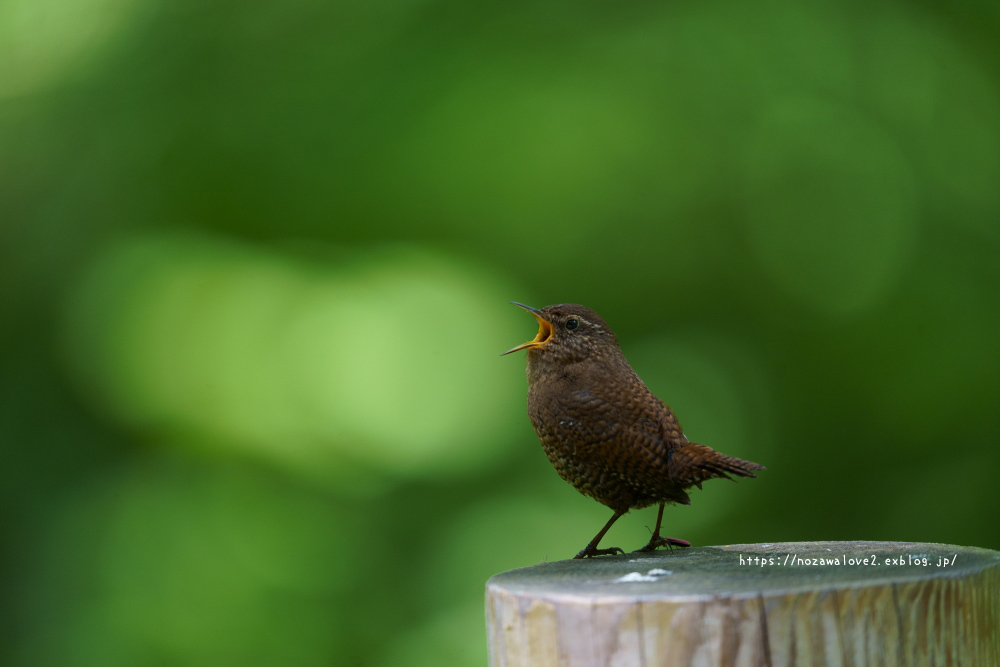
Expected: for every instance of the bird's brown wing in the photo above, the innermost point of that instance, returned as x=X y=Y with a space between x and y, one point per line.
x=687 y=463
x=691 y=464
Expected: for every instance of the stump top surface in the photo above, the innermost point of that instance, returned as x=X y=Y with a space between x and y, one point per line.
x=708 y=572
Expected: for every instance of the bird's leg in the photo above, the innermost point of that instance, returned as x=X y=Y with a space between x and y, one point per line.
x=657 y=541
x=592 y=550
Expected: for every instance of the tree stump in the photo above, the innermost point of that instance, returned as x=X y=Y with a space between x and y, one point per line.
x=795 y=603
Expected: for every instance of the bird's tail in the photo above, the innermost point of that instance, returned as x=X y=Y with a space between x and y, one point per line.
x=691 y=464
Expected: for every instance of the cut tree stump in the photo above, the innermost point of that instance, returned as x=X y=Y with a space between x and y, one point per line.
x=753 y=604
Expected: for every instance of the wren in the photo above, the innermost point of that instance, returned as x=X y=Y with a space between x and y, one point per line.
x=604 y=430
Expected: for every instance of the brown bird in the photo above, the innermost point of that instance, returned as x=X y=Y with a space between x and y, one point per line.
x=604 y=430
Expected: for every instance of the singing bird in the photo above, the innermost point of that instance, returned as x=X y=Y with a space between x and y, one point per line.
x=604 y=430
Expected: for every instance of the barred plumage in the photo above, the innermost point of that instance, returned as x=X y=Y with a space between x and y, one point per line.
x=603 y=430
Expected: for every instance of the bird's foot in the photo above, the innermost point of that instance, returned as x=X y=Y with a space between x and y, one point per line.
x=670 y=542
x=590 y=552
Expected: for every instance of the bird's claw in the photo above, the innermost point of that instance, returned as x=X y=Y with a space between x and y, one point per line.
x=590 y=552
x=670 y=542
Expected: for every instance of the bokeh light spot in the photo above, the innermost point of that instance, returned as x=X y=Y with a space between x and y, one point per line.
x=405 y=362
x=388 y=361
x=43 y=40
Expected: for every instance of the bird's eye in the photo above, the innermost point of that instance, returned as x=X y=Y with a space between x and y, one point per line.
x=572 y=323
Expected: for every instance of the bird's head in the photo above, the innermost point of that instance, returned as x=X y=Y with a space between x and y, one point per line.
x=567 y=332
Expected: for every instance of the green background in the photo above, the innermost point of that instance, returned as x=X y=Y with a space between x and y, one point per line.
x=255 y=266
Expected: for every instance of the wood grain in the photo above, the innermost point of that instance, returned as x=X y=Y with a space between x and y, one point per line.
x=710 y=610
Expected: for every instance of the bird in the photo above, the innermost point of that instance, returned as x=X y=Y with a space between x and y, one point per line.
x=603 y=430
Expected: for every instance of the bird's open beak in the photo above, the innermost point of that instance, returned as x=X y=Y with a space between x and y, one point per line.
x=544 y=330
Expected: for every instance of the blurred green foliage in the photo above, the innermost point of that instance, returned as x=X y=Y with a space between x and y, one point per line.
x=254 y=266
